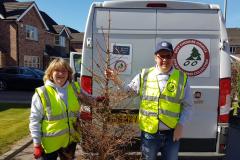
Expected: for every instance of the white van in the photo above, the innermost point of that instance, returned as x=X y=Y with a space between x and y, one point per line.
x=198 y=34
x=75 y=63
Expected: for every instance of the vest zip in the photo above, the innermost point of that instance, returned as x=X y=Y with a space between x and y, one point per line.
x=67 y=119
x=160 y=93
x=158 y=103
x=69 y=131
x=68 y=124
x=158 y=113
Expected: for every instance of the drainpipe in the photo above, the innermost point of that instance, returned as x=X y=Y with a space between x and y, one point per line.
x=18 y=56
x=69 y=45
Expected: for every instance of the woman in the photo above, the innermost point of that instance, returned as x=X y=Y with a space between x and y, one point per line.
x=54 y=111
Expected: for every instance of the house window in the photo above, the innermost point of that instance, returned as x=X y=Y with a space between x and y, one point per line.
x=31 y=33
x=234 y=49
x=60 y=41
x=32 y=61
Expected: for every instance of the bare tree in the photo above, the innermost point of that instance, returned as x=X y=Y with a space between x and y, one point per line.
x=108 y=135
x=235 y=86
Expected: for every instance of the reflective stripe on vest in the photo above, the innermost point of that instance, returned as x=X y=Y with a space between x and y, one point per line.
x=155 y=105
x=61 y=116
x=154 y=114
x=59 y=133
x=57 y=124
x=48 y=105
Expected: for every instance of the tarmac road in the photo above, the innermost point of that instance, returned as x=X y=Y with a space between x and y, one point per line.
x=27 y=153
x=16 y=96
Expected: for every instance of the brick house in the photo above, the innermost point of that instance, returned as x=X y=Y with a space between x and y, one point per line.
x=76 y=41
x=29 y=37
x=234 y=40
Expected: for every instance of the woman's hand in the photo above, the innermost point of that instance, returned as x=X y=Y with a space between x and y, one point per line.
x=38 y=151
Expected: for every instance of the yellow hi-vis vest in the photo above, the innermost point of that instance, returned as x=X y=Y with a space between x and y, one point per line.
x=57 y=125
x=165 y=106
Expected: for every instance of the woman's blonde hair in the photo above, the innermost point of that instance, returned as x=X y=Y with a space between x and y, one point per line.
x=57 y=64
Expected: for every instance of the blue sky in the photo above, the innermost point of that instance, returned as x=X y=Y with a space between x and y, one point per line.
x=73 y=13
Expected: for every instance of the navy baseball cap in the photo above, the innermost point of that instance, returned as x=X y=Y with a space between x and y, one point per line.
x=164 y=45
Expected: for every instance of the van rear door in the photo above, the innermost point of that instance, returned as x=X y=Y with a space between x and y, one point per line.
x=196 y=36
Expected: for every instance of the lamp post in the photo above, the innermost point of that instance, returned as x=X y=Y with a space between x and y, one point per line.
x=225 y=10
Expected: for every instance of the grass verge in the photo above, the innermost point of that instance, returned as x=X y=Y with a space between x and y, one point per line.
x=14 y=124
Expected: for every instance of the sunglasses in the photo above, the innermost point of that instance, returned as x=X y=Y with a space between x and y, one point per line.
x=163 y=56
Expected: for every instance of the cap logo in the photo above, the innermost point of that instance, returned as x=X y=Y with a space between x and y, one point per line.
x=164 y=44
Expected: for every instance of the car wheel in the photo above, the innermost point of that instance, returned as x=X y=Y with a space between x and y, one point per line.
x=3 y=85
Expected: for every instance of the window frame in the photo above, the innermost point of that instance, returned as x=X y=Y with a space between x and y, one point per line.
x=60 y=40
x=31 y=32
x=31 y=61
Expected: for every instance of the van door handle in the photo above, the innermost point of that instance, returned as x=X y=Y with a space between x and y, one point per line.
x=223 y=44
x=89 y=42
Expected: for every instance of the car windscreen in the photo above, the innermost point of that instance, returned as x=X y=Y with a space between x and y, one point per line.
x=40 y=72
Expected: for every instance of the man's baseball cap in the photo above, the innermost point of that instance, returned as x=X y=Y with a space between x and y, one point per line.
x=164 y=45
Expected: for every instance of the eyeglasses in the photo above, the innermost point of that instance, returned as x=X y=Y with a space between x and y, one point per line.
x=164 y=56
x=61 y=70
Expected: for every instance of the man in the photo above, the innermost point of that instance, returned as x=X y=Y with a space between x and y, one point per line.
x=165 y=104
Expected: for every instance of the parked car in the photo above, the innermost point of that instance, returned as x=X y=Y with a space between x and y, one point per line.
x=20 y=78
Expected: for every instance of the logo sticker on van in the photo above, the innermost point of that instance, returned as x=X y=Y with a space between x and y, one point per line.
x=121 y=58
x=191 y=56
x=120 y=66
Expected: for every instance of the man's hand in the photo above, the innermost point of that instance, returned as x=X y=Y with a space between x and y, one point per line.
x=101 y=99
x=110 y=74
x=113 y=75
x=38 y=151
x=177 y=134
